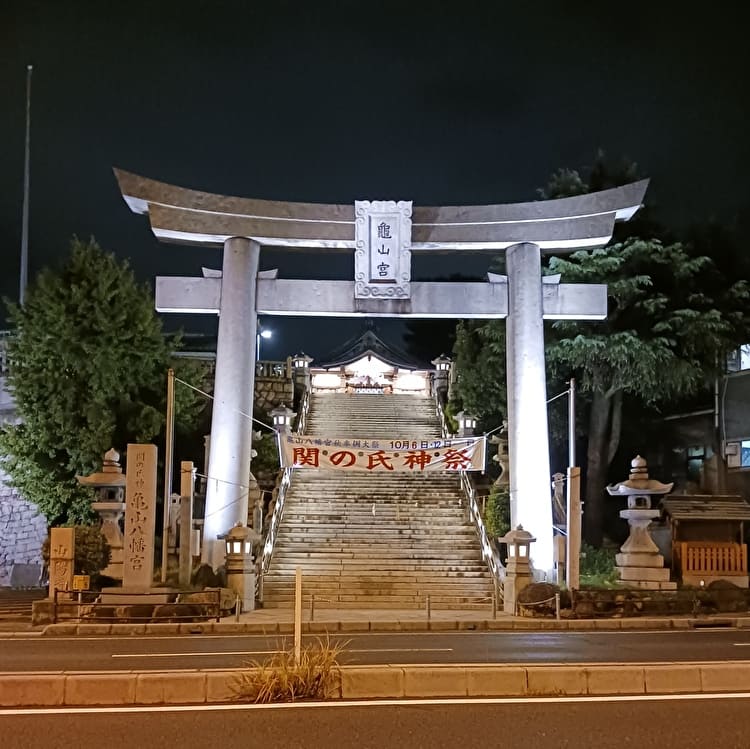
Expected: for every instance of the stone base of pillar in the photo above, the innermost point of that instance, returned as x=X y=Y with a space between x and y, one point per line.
x=214 y=552
x=512 y=586
x=243 y=586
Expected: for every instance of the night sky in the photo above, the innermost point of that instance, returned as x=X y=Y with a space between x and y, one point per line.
x=439 y=103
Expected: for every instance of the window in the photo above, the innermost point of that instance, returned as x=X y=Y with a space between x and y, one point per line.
x=739 y=359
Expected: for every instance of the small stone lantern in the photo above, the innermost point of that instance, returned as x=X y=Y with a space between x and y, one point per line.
x=442 y=375
x=282 y=418
x=240 y=566
x=301 y=373
x=466 y=424
x=518 y=566
x=109 y=502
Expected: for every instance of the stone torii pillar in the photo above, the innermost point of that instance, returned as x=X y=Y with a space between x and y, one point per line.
x=528 y=446
x=228 y=472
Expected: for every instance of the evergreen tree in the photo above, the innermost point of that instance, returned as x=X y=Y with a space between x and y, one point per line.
x=87 y=369
x=663 y=337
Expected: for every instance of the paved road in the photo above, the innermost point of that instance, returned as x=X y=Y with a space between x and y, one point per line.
x=604 y=724
x=231 y=651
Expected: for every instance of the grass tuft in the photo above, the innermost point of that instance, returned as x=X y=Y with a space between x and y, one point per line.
x=281 y=679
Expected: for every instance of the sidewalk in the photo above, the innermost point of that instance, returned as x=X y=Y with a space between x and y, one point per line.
x=281 y=621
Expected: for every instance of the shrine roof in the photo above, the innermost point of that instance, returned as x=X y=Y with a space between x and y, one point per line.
x=364 y=344
x=698 y=507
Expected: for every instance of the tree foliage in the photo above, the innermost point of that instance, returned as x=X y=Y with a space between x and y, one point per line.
x=87 y=369
x=673 y=312
x=663 y=337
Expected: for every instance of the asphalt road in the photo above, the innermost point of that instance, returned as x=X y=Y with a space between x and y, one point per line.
x=536 y=724
x=232 y=651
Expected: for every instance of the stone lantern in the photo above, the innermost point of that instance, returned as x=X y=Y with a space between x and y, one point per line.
x=282 y=418
x=639 y=563
x=109 y=503
x=442 y=375
x=301 y=373
x=240 y=565
x=466 y=424
x=518 y=567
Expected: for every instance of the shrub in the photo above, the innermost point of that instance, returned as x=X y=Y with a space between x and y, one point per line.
x=91 y=554
x=597 y=566
x=282 y=679
x=497 y=513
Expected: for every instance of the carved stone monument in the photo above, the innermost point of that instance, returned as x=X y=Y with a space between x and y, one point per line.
x=62 y=543
x=140 y=517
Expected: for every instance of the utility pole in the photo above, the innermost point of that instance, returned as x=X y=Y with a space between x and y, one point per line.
x=572 y=561
x=168 y=458
x=24 y=271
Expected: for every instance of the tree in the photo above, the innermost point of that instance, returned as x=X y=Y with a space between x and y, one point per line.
x=87 y=369
x=663 y=336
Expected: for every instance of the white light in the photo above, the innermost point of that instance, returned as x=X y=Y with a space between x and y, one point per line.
x=265 y=333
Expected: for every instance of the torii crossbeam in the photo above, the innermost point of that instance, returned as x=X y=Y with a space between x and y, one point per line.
x=382 y=234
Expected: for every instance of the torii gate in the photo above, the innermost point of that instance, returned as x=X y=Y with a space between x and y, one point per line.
x=382 y=234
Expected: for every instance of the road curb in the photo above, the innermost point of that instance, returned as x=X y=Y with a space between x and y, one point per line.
x=129 y=688
x=405 y=625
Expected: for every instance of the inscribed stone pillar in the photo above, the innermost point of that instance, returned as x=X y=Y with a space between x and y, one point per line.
x=528 y=443
x=231 y=427
x=140 y=517
x=62 y=543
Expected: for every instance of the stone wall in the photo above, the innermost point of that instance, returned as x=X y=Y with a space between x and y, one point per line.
x=22 y=532
x=272 y=391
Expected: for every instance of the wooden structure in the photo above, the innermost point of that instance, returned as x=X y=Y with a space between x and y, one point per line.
x=708 y=534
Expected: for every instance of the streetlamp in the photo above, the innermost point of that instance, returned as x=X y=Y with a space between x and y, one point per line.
x=262 y=333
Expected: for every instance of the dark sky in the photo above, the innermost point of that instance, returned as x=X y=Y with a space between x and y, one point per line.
x=439 y=103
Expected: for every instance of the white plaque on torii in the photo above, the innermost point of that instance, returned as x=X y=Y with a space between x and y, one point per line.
x=382 y=255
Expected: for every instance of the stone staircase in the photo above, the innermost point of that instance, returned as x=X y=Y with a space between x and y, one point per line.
x=382 y=541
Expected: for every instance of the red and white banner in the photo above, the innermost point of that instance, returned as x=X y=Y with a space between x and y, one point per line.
x=405 y=455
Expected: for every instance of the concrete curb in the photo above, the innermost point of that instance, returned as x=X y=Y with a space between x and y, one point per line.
x=123 y=688
x=405 y=625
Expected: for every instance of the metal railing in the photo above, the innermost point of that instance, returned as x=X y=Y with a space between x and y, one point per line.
x=88 y=606
x=441 y=415
x=488 y=552
x=304 y=408
x=278 y=510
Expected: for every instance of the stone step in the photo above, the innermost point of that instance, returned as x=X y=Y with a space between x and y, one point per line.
x=364 y=577
x=423 y=567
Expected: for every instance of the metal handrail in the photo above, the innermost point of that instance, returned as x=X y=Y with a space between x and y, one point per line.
x=441 y=415
x=286 y=480
x=273 y=526
x=488 y=552
x=304 y=408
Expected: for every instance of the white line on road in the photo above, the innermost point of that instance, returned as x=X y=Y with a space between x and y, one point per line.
x=372 y=703
x=272 y=652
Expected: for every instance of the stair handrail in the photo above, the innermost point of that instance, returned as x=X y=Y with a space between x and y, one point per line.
x=281 y=489
x=489 y=554
x=273 y=526
x=304 y=408
x=488 y=551
x=441 y=416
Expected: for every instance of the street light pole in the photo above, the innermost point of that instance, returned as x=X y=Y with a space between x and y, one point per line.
x=262 y=333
